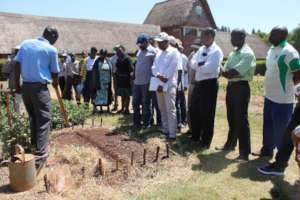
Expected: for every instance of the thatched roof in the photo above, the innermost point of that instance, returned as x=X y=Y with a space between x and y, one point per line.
x=76 y=35
x=177 y=12
x=259 y=47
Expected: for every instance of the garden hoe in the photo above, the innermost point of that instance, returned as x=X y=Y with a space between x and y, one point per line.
x=62 y=108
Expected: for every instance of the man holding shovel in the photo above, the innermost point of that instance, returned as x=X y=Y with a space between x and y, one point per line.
x=37 y=63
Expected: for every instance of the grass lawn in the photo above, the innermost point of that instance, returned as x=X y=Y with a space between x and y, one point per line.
x=211 y=174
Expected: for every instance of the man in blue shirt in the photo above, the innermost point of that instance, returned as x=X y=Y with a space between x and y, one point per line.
x=37 y=63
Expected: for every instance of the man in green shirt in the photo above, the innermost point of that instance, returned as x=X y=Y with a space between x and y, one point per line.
x=239 y=70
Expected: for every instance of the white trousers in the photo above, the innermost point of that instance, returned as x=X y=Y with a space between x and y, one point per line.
x=166 y=103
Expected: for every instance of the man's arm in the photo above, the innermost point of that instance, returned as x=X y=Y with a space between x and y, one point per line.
x=54 y=79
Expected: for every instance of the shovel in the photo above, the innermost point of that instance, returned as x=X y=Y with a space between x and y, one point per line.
x=62 y=108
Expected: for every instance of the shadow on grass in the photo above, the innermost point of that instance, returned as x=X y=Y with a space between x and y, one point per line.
x=213 y=162
x=249 y=170
x=5 y=189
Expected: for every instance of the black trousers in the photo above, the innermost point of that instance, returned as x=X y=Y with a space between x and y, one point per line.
x=203 y=109
x=286 y=149
x=37 y=102
x=237 y=103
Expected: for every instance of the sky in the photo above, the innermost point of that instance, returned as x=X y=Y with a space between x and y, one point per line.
x=248 y=14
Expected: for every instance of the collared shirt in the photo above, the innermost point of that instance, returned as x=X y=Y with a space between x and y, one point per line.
x=165 y=64
x=143 y=66
x=281 y=62
x=38 y=59
x=244 y=62
x=212 y=56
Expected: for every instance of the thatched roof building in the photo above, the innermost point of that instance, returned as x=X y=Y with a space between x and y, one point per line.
x=76 y=35
x=185 y=19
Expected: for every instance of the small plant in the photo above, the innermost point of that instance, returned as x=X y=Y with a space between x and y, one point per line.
x=77 y=114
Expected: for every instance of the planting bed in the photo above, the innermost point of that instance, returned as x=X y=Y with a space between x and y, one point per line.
x=115 y=150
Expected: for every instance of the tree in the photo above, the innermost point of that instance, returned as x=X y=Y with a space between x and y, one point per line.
x=253 y=31
x=294 y=38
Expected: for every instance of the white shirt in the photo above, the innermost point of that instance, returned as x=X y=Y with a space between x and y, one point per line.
x=279 y=84
x=166 y=64
x=212 y=56
x=90 y=63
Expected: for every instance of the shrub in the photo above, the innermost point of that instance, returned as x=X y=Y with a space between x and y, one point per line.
x=19 y=133
x=77 y=114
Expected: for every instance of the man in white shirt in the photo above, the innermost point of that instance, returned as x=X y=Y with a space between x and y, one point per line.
x=206 y=62
x=164 y=70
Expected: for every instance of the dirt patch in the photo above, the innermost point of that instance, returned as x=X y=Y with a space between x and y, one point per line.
x=115 y=150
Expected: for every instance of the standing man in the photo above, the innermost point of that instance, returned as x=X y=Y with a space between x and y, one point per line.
x=206 y=63
x=37 y=62
x=239 y=70
x=282 y=74
x=142 y=75
x=164 y=82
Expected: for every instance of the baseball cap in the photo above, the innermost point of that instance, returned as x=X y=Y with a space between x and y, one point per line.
x=143 y=37
x=163 y=36
x=172 y=40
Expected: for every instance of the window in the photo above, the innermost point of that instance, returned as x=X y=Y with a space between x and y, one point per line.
x=191 y=31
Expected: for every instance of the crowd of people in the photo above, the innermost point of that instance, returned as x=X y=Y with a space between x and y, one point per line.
x=158 y=79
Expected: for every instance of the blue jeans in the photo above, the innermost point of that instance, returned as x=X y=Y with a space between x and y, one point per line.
x=276 y=119
x=141 y=97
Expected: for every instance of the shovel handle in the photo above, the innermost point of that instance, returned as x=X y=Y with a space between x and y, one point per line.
x=20 y=150
x=62 y=108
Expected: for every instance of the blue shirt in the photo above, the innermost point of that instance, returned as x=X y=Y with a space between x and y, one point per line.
x=38 y=59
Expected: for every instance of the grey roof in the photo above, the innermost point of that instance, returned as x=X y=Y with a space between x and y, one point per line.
x=75 y=35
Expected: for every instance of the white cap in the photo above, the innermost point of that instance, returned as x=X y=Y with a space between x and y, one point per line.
x=297 y=131
x=297 y=89
x=163 y=36
x=172 y=40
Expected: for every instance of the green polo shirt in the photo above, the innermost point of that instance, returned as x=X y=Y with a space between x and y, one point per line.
x=244 y=62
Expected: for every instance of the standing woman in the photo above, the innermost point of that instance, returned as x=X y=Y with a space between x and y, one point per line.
x=102 y=80
x=123 y=75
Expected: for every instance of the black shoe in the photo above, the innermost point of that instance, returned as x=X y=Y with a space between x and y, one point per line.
x=204 y=147
x=272 y=169
x=242 y=159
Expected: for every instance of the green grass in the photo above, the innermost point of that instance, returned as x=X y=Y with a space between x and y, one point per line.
x=216 y=176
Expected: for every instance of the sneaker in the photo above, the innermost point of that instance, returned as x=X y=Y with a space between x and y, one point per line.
x=242 y=159
x=272 y=169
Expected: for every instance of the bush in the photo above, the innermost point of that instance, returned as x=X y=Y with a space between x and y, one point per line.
x=19 y=133
x=77 y=114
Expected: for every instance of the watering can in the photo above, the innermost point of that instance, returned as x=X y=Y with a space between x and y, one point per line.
x=22 y=172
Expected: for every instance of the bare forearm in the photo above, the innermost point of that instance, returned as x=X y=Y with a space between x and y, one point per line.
x=54 y=79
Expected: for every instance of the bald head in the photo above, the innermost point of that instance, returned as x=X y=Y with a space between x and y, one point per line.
x=238 y=37
x=278 y=34
x=50 y=34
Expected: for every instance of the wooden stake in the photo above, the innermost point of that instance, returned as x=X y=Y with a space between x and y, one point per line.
x=62 y=107
x=101 y=122
x=101 y=170
x=132 y=157
x=157 y=154
x=82 y=124
x=168 y=151
x=83 y=172
x=47 y=185
x=8 y=110
x=93 y=122
x=144 y=156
